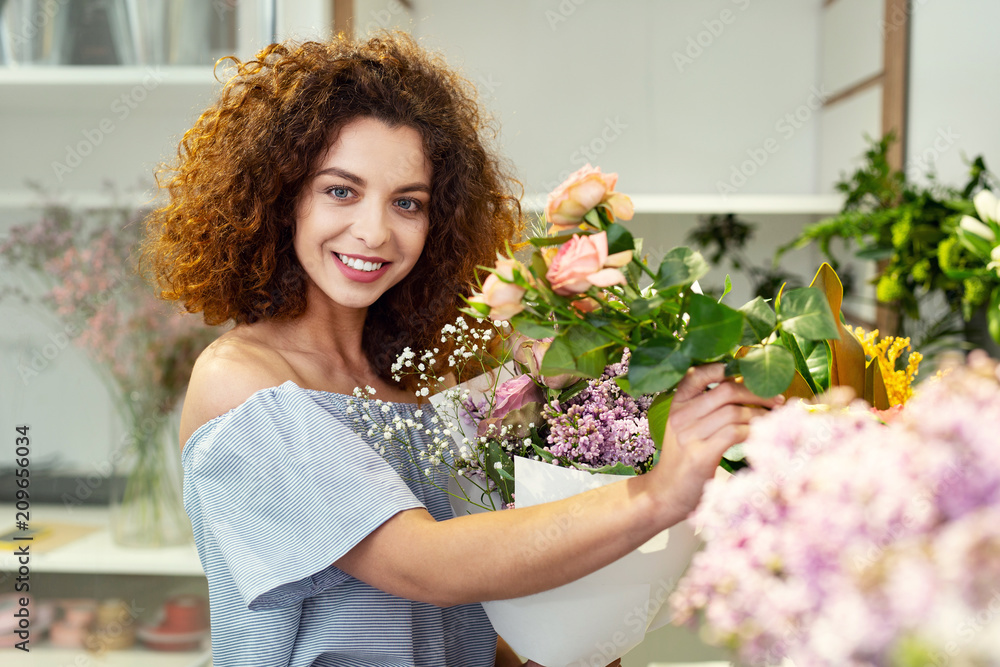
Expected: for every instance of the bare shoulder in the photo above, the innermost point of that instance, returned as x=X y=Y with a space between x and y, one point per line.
x=228 y=372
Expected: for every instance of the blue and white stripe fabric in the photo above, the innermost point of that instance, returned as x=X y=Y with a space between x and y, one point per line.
x=279 y=488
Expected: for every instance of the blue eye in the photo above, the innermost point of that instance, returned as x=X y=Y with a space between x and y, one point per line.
x=340 y=193
x=409 y=205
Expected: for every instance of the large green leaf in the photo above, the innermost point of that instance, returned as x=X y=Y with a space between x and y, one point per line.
x=657 y=365
x=713 y=330
x=578 y=351
x=558 y=358
x=817 y=355
x=619 y=239
x=759 y=321
x=681 y=266
x=657 y=415
x=805 y=312
x=645 y=307
x=767 y=371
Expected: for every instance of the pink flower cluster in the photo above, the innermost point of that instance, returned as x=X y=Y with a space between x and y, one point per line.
x=854 y=542
x=137 y=341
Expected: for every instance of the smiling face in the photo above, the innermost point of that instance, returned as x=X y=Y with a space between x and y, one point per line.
x=361 y=221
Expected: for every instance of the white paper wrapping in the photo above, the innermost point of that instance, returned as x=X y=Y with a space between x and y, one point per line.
x=596 y=619
x=602 y=616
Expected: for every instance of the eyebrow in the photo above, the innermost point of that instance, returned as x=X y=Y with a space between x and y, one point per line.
x=360 y=182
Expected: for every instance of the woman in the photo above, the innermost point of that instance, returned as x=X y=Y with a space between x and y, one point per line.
x=333 y=204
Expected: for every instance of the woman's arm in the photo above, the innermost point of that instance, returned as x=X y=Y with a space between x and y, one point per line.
x=512 y=553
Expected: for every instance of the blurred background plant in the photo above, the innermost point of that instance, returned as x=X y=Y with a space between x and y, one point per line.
x=910 y=230
x=79 y=265
x=723 y=240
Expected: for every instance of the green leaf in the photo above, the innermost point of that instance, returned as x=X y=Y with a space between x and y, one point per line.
x=732 y=466
x=479 y=311
x=594 y=218
x=805 y=312
x=681 y=266
x=767 y=371
x=726 y=288
x=657 y=415
x=572 y=390
x=993 y=315
x=558 y=358
x=592 y=363
x=657 y=365
x=542 y=241
x=622 y=382
x=644 y=307
x=975 y=243
x=714 y=329
x=619 y=239
x=788 y=341
x=818 y=360
x=532 y=329
x=575 y=351
x=613 y=469
x=504 y=482
x=759 y=321
x=875 y=253
x=542 y=453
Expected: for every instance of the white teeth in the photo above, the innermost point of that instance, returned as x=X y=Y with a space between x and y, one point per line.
x=359 y=264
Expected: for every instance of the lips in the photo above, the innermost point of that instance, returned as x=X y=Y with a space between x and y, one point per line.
x=367 y=273
x=361 y=263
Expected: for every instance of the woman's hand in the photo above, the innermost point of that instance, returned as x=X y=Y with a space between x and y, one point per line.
x=703 y=424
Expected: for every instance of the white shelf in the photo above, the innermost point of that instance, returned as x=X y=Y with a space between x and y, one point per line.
x=65 y=90
x=171 y=75
x=684 y=204
x=96 y=553
x=45 y=656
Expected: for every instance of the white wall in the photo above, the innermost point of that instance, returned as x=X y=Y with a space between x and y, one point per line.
x=634 y=89
x=954 y=87
x=852 y=52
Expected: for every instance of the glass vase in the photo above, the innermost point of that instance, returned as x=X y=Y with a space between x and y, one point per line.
x=147 y=509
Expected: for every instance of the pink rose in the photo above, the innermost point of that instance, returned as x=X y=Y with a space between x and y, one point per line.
x=500 y=292
x=514 y=394
x=582 y=191
x=583 y=262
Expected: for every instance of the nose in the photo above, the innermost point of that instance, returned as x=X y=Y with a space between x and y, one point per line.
x=371 y=226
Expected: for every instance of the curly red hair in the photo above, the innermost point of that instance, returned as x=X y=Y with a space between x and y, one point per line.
x=223 y=244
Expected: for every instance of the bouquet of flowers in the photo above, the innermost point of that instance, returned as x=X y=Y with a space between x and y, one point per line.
x=859 y=540
x=587 y=342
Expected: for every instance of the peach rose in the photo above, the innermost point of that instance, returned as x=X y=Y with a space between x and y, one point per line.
x=500 y=292
x=582 y=262
x=583 y=190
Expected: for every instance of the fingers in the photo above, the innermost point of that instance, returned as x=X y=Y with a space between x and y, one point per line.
x=697 y=379
x=725 y=393
x=726 y=437
x=706 y=428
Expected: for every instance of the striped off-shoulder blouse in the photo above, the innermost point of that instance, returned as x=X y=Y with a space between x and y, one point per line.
x=277 y=490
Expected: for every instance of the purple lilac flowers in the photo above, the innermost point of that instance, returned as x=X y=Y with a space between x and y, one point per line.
x=601 y=425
